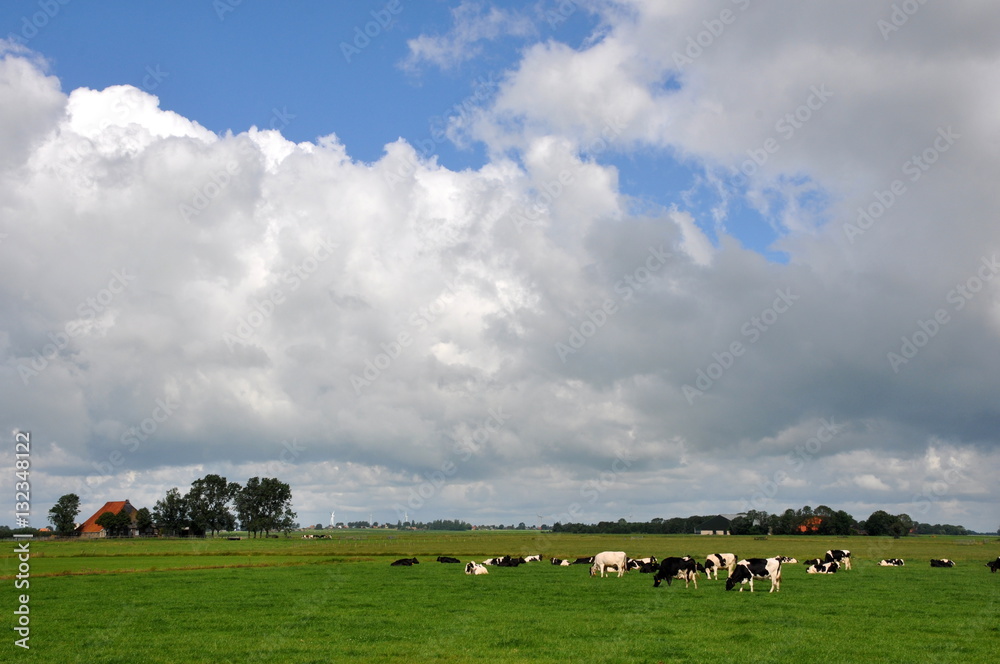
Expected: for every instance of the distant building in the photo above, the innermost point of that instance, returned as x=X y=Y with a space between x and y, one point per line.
x=810 y=524
x=717 y=525
x=89 y=528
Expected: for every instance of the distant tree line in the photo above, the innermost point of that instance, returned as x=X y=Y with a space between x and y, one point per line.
x=436 y=524
x=806 y=521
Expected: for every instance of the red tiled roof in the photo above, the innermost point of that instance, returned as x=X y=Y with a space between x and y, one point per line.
x=115 y=506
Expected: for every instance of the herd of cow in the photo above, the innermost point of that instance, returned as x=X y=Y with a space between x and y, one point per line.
x=687 y=569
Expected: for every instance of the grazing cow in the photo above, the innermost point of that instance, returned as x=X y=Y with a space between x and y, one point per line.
x=785 y=560
x=533 y=559
x=448 y=559
x=813 y=561
x=716 y=560
x=824 y=568
x=839 y=556
x=943 y=562
x=404 y=562
x=607 y=559
x=476 y=568
x=994 y=566
x=891 y=562
x=677 y=568
x=756 y=568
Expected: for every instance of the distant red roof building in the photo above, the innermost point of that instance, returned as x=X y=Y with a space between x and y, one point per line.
x=89 y=528
x=811 y=524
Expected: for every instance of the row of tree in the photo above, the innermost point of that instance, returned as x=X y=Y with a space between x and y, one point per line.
x=212 y=504
x=822 y=520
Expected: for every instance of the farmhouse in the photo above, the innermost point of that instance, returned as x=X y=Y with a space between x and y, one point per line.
x=717 y=525
x=89 y=528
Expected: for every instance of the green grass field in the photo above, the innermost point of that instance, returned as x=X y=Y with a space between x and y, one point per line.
x=339 y=600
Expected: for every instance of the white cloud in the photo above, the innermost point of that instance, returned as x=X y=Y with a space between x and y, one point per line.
x=474 y=22
x=381 y=311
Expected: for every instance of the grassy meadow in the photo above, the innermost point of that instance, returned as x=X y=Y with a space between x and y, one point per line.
x=338 y=600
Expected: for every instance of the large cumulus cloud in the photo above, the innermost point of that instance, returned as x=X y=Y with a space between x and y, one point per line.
x=521 y=342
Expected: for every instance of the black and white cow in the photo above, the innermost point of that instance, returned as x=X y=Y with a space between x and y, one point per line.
x=476 y=569
x=824 y=568
x=785 y=560
x=891 y=562
x=507 y=561
x=755 y=568
x=642 y=565
x=583 y=561
x=942 y=562
x=677 y=568
x=715 y=561
x=813 y=561
x=533 y=559
x=448 y=559
x=994 y=566
x=404 y=562
x=842 y=556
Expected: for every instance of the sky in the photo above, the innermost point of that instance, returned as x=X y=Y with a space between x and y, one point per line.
x=505 y=262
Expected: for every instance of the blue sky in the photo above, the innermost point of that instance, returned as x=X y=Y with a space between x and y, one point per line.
x=534 y=248
x=229 y=66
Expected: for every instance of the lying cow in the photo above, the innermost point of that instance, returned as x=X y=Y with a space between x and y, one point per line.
x=755 y=568
x=994 y=566
x=839 y=556
x=608 y=559
x=507 y=561
x=813 y=561
x=404 y=562
x=561 y=562
x=715 y=561
x=476 y=569
x=942 y=562
x=533 y=559
x=891 y=562
x=448 y=559
x=677 y=568
x=785 y=560
x=824 y=568
x=583 y=561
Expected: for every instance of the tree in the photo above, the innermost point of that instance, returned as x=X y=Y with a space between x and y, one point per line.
x=208 y=503
x=63 y=514
x=880 y=523
x=287 y=522
x=171 y=513
x=263 y=505
x=144 y=521
x=116 y=525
